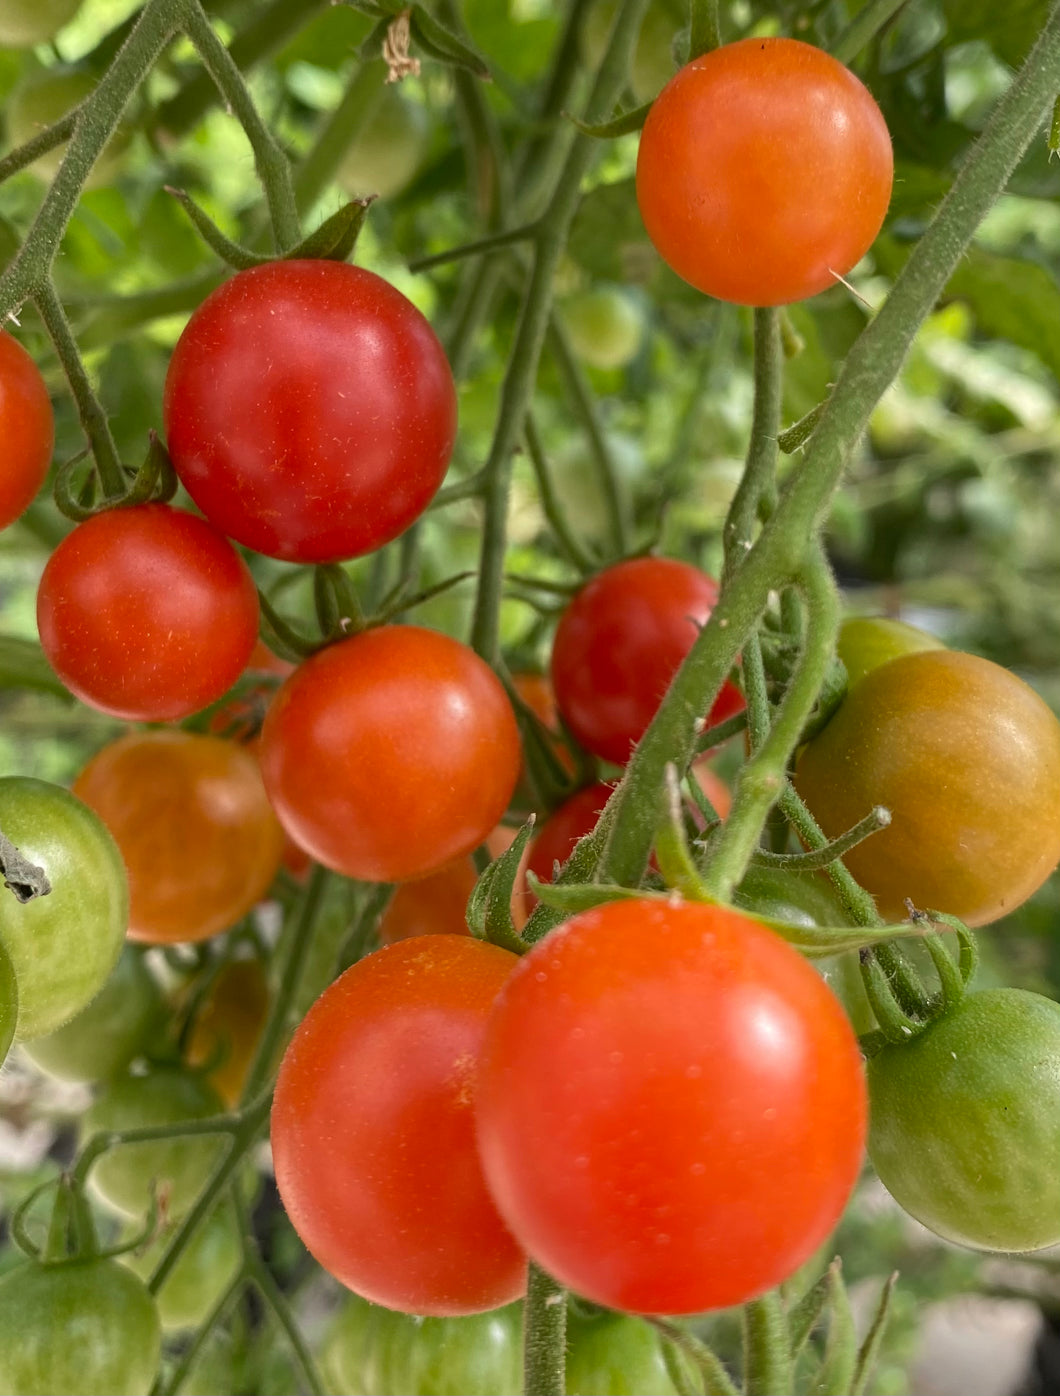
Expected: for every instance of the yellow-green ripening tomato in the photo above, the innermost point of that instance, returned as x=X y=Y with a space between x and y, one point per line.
x=388 y=149
x=104 y=1037
x=63 y=945
x=605 y=326
x=865 y=642
x=966 y=757
x=27 y=22
x=44 y=97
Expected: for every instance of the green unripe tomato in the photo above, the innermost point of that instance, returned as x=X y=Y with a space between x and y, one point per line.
x=605 y=326
x=866 y=642
x=614 y=1355
x=388 y=149
x=163 y=1095
x=653 y=63
x=8 y=1003
x=372 y=1351
x=206 y=1268
x=62 y=945
x=27 y=22
x=965 y=1122
x=104 y=1037
x=43 y=98
x=78 y=1328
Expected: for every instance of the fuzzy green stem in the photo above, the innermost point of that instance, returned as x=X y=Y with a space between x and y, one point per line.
x=97 y=120
x=264 y=1281
x=864 y=27
x=89 y=408
x=565 y=538
x=767 y=1348
x=857 y=903
x=333 y=139
x=521 y=375
x=705 y=28
x=198 y=1341
x=25 y=154
x=545 y=1344
x=290 y=974
x=716 y=1380
x=757 y=488
x=272 y=165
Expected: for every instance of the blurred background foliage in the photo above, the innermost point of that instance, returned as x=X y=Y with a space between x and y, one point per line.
x=947 y=518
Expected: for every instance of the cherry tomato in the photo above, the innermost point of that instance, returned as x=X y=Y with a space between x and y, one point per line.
x=197 y=834
x=27 y=427
x=206 y=1268
x=372 y=1351
x=389 y=146
x=373 y=1134
x=64 y=945
x=670 y=1106
x=432 y=905
x=866 y=642
x=27 y=22
x=104 y=1037
x=966 y=1122
x=612 y=1355
x=147 y=613
x=764 y=171
x=178 y=1167
x=77 y=1328
x=228 y=1026
x=390 y=753
x=310 y=410
x=966 y=757
x=620 y=642
x=605 y=326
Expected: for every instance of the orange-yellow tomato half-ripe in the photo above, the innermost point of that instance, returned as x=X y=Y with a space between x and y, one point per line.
x=966 y=757
x=199 y=840
x=228 y=1026
x=764 y=172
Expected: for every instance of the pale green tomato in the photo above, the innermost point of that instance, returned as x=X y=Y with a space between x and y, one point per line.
x=576 y=482
x=605 y=326
x=614 y=1355
x=205 y=1270
x=653 y=62
x=104 y=1037
x=27 y=22
x=866 y=642
x=161 y=1096
x=42 y=99
x=388 y=149
x=63 y=945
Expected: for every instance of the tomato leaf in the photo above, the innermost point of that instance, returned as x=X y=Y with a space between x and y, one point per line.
x=1012 y=298
x=240 y=258
x=443 y=45
x=870 y=1348
x=489 y=908
x=336 y=237
x=840 y=1354
x=621 y=125
x=23 y=665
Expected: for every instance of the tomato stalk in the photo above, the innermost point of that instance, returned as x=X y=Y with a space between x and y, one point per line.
x=705 y=28
x=545 y=1341
x=864 y=27
x=767 y=1347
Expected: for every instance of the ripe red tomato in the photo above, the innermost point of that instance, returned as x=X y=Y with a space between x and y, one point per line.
x=373 y=1135
x=620 y=642
x=27 y=429
x=199 y=840
x=670 y=1105
x=147 y=613
x=431 y=905
x=764 y=171
x=390 y=753
x=966 y=757
x=310 y=410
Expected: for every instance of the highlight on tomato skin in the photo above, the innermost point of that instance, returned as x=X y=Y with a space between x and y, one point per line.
x=764 y=171
x=671 y=1106
x=373 y=1133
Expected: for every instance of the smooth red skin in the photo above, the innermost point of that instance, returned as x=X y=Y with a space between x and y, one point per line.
x=764 y=171
x=27 y=430
x=310 y=410
x=147 y=613
x=390 y=753
x=671 y=1106
x=620 y=642
x=373 y=1134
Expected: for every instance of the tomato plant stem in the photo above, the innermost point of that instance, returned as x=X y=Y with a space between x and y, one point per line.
x=864 y=27
x=767 y=1348
x=336 y=135
x=705 y=29
x=553 y=509
x=93 y=418
x=545 y=1336
x=716 y=1380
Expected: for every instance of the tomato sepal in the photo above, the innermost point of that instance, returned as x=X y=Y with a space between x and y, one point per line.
x=489 y=908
